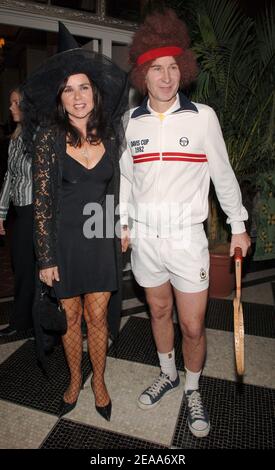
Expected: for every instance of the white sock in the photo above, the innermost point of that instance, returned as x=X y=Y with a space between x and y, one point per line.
x=191 y=380
x=167 y=364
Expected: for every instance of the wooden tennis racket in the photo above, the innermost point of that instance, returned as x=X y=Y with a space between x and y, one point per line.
x=238 y=314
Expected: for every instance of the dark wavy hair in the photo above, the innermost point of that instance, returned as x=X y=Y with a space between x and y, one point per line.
x=161 y=29
x=96 y=125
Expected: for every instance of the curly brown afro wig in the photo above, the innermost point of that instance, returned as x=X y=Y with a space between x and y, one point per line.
x=162 y=30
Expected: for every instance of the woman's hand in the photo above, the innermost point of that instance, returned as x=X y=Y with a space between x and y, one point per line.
x=125 y=238
x=2 y=228
x=49 y=275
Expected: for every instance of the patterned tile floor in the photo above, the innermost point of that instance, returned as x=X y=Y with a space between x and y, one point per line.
x=241 y=412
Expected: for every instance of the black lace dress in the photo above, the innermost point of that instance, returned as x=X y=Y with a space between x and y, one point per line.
x=85 y=256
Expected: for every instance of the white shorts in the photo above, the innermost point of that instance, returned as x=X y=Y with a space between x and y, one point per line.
x=185 y=264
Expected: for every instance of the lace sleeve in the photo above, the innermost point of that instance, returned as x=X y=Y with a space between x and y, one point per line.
x=43 y=201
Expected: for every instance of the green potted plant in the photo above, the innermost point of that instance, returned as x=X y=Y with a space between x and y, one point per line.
x=237 y=59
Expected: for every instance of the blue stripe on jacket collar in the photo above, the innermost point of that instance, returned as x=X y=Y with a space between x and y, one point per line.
x=185 y=105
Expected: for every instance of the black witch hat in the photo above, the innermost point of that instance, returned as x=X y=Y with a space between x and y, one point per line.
x=41 y=88
x=65 y=40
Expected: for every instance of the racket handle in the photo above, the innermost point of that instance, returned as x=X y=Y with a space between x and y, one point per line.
x=238 y=254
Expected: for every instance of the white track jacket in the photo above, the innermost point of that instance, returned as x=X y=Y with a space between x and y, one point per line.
x=167 y=166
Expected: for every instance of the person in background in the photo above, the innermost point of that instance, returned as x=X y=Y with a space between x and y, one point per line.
x=17 y=188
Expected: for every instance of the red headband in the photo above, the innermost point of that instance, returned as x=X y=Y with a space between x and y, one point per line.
x=159 y=52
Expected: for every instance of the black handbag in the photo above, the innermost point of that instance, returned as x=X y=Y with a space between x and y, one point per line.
x=51 y=314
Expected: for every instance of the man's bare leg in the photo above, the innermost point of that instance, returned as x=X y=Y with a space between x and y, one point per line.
x=160 y=300
x=191 y=312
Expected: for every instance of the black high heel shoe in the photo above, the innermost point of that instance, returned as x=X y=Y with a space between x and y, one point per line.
x=66 y=407
x=104 y=411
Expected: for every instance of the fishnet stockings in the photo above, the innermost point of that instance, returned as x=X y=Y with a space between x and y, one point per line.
x=95 y=313
x=72 y=343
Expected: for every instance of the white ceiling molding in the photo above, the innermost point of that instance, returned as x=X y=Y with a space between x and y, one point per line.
x=44 y=17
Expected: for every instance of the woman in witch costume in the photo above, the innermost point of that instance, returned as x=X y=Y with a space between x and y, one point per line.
x=77 y=98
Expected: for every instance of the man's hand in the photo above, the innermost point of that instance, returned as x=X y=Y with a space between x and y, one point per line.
x=49 y=275
x=241 y=240
x=2 y=228
x=125 y=238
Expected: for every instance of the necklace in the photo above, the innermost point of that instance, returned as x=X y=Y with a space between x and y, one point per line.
x=84 y=153
x=87 y=152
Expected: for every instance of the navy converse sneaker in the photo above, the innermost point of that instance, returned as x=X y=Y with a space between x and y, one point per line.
x=197 y=418
x=153 y=394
